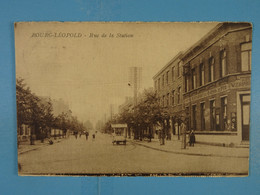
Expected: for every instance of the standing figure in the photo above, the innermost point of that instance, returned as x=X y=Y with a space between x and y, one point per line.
x=93 y=136
x=192 y=138
x=183 y=131
x=86 y=135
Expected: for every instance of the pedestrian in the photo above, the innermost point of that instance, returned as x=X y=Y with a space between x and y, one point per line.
x=183 y=131
x=192 y=138
x=93 y=136
x=80 y=135
x=86 y=135
x=76 y=134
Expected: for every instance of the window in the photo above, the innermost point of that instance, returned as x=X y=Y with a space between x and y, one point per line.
x=223 y=113
x=173 y=72
x=179 y=68
x=21 y=130
x=223 y=63
x=202 y=75
x=211 y=69
x=162 y=80
x=193 y=75
x=187 y=111
x=212 y=115
x=173 y=95
x=26 y=130
x=194 y=124
x=186 y=83
x=179 y=95
x=246 y=50
x=202 y=114
x=167 y=77
x=163 y=101
x=168 y=99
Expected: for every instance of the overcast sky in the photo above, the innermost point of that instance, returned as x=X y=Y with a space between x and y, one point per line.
x=91 y=73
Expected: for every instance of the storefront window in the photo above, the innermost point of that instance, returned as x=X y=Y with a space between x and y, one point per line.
x=202 y=112
x=194 y=125
x=212 y=115
x=223 y=113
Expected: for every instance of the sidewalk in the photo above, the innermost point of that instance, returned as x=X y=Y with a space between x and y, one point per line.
x=26 y=147
x=175 y=147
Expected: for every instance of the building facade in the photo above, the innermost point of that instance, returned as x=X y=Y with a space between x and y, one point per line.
x=168 y=83
x=215 y=85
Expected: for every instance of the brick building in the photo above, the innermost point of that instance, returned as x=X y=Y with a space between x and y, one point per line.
x=168 y=84
x=215 y=85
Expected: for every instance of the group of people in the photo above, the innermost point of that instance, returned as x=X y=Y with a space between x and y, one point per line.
x=86 y=134
x=192 y=139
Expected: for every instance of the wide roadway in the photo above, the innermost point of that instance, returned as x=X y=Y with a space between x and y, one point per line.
x=100 y=156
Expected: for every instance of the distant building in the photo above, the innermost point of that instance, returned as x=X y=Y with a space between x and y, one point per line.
x=168 y=84
x=24 y=133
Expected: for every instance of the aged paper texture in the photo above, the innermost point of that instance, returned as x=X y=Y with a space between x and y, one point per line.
x=133 y=98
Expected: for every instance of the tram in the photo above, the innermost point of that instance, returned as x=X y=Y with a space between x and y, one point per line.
x=119 y=133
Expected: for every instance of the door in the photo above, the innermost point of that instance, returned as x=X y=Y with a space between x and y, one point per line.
x=245 y=111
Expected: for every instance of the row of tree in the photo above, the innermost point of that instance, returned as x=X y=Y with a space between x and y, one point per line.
x=145 y=115
x=37 y=113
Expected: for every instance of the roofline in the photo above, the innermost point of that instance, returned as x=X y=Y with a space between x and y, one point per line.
x=168 y=64
x=217 y=27
x=229 y=31
x=203 y=38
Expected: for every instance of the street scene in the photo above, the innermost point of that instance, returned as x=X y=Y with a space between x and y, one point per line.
x=80 y=156
x=128 y=99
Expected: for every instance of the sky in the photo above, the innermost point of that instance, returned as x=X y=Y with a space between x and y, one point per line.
x=66 y=60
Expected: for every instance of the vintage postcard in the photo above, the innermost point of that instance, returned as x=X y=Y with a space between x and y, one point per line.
x=133 y=98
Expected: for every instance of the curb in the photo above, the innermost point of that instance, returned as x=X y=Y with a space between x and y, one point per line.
x=186 y=153
x=43 y=145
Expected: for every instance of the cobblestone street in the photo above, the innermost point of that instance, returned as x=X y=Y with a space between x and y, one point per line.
x=100 y=156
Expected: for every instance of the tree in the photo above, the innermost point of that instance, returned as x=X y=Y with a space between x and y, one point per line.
x=29 y=111
x=33 y=111
x=145 y=114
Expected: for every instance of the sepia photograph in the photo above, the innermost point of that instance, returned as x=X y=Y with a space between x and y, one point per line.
x=133 y=98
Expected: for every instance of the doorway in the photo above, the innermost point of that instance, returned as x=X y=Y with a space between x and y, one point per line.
x=245 y=113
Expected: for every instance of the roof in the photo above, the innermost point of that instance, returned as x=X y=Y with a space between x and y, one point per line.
x=220 y=29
